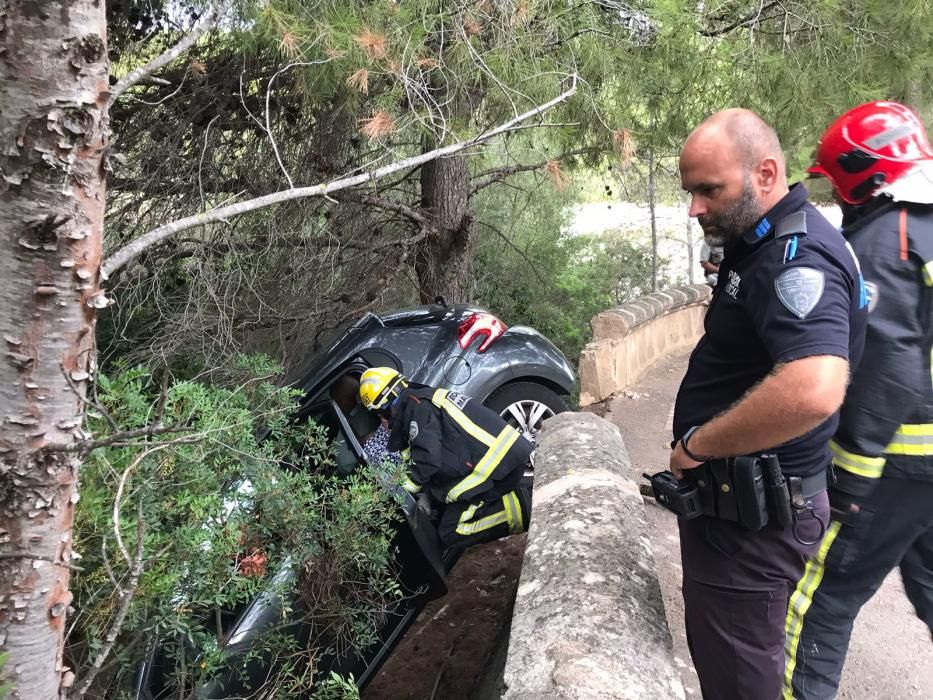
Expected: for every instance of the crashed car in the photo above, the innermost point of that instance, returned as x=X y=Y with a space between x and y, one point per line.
x=516 y=371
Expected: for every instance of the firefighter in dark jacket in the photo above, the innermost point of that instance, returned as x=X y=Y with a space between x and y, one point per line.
x=880 y=164
x=463 y=454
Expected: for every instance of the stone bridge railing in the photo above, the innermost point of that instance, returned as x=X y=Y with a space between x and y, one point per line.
x=629 y=339
x=589 y=620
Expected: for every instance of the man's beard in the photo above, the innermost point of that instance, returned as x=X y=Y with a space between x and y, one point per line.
x=733 y=221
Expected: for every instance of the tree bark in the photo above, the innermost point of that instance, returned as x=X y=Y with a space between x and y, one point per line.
x=443 y=259
x=652 y=197
x=53 y=136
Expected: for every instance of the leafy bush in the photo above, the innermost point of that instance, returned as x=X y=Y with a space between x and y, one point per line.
x=532 y=273
x=178 y=532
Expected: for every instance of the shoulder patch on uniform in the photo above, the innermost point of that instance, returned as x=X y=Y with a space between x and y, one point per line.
x=792 y=224
x=799 y=289
x=412 y=430
x=458 y=400
x=871 y=291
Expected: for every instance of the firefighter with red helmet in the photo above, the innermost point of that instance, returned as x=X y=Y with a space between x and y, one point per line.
x=462 y=454
x=879 y=161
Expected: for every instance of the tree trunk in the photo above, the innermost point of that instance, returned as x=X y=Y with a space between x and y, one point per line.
x=652 y=196
x=443 y=260
x=53 y=135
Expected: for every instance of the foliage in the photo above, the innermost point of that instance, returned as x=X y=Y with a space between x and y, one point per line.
x=533 y=272
x=222 y=515
x=299 y=91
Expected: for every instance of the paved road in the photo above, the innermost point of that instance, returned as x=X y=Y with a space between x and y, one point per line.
x=890 y=657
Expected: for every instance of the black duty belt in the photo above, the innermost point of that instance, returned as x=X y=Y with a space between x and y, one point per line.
x=749 y=490
x=806 y=487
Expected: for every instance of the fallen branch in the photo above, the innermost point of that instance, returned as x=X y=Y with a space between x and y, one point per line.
x=116 y=261
x=201 y=27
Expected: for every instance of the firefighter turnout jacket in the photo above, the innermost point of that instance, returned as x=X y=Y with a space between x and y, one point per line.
x=459 y=449
x=886 y=422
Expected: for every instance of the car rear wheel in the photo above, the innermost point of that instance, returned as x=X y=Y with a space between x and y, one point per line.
x=525 y=405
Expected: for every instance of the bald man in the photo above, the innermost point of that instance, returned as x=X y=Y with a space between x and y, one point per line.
x=785 y=324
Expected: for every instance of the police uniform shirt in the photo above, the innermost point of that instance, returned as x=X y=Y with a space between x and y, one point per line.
x=790 y=288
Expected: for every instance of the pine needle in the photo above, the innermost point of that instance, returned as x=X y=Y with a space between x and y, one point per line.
x=288 y=45
x=372 y=43
x=379 y=125
x=624 y=146
x=472 y=27
x=558 y=177
x=359 y=81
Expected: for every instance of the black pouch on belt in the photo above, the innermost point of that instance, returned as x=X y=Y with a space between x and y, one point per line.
x=739 y=488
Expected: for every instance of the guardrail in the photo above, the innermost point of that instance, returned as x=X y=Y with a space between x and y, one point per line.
x=629 y=339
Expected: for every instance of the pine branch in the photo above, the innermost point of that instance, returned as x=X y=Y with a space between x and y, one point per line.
x=752 y=18
x=116 y=261
x=388 y=205
x=201 y=27
x=491 y=177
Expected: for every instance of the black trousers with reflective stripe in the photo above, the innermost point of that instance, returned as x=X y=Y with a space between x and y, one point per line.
x=894 y=527
x=736 y=585
x=466 y=524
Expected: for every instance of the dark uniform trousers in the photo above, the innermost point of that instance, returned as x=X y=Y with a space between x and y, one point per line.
x=466 y=524
x=850 y=566
x=736 y=587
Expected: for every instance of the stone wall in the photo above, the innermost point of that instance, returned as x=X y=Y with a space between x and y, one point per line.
x=589 y=621
x=629 y=339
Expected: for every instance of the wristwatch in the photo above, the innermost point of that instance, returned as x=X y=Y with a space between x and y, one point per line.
x=683 y=443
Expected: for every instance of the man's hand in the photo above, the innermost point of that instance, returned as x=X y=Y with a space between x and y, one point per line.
x=680 y=462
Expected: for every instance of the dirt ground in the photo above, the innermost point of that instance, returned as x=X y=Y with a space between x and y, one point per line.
x=447 y=654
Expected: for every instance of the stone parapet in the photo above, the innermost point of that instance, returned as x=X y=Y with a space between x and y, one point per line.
x=589 y=620
x=629 y=339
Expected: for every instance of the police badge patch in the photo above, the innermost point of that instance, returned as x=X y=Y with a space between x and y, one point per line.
x=412 y=430
x=799 y=289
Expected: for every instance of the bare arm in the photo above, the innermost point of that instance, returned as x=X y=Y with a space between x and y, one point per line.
x=791 y=401
x=709 y=267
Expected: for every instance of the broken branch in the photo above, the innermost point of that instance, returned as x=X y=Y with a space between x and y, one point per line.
x=201 y=27
x=116 y=261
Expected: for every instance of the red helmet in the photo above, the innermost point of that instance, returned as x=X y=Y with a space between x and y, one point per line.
x=871 y=147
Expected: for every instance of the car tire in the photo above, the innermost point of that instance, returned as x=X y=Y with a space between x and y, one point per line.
x=525 y=405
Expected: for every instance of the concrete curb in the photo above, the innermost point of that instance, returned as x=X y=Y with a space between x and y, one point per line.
x=589 y=619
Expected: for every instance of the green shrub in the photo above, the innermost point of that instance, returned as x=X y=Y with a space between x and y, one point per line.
x=217 y=514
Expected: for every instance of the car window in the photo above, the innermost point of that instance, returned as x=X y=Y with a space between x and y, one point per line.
x=326 y=415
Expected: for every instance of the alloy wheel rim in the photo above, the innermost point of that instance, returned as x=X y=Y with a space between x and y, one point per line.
x=526 y=416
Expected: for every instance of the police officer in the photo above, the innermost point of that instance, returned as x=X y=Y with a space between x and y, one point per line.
x=880 y=164
x=769 y=374
x=463 y=454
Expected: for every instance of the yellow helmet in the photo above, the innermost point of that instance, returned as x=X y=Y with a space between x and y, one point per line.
x=379 y=383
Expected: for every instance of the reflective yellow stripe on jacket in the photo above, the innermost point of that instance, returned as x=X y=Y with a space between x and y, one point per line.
x=915 y=440
x=487 y=464
x=928 y=274
x=440 y=400
x=869 y=467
